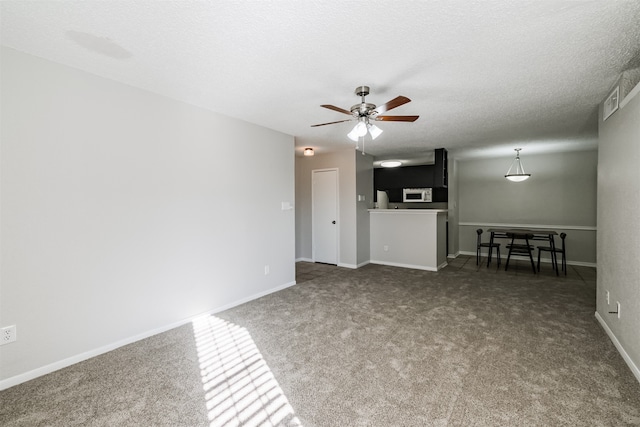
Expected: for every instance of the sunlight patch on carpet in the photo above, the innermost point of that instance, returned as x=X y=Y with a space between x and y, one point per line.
x=240 y=389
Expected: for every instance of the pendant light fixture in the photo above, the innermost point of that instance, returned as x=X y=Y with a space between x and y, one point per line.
x=518 y=174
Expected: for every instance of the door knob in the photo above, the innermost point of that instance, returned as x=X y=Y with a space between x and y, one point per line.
x=333 y=222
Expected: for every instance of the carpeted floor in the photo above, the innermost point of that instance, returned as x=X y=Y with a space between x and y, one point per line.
x=377 y=346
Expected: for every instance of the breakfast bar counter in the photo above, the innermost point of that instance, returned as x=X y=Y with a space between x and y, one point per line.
x=411 y=238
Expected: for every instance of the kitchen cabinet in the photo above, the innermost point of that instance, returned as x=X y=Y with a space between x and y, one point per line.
x=404 y=177
x=440 y=172
x=393 y=180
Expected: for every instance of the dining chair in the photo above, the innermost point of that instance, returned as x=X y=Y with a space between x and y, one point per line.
x=480 y=245
x=554 y=251
x=520 y=249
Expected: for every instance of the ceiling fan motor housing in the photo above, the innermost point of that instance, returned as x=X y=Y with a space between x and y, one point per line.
x=362 y=90
x=363 y=110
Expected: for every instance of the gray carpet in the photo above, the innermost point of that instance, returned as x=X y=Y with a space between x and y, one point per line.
x=377 y=346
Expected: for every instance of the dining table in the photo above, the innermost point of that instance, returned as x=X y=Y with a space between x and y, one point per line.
x=517 y=246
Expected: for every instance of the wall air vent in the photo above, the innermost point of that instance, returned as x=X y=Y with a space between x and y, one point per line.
x=611 y=103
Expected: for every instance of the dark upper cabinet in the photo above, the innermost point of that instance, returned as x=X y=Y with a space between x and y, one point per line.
x=403 y=177
x=440 y=173
x=393 y=180
x=385 y=178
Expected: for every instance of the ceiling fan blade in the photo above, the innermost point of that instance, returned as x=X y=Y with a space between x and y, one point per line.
x=338 y=109
x=331 y=123
x=397 y=118
x=395 y=102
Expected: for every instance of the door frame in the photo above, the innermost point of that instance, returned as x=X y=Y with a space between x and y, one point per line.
x=313 y=228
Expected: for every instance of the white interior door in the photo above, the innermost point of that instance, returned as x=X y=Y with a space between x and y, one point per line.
x=325 y=215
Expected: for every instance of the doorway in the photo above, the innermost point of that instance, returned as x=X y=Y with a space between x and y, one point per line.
x=324 y=211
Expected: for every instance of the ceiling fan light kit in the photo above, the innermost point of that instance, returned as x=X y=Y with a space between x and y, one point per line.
x=365 y=112
x=353 y=135
x=360 y=129
x=374 y=131
x=518 y=174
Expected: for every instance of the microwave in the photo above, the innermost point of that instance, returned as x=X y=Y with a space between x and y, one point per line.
x=416 y=195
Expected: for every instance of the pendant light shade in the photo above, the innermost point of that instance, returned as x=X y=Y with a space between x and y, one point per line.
x=353 y=135
x=518 y=174
x=374 y=131
x=361 y=128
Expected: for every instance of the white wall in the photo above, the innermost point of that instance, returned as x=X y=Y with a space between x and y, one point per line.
x=619 y=229
x=124 y=213
x=561 y=193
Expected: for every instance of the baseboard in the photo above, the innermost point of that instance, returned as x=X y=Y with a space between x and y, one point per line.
x=621 y=350
x=340 y=264
x=454 y=255
x=542 y=260
x=397 y=264
x=581 y=264
x=352 y=266
x=52 y=367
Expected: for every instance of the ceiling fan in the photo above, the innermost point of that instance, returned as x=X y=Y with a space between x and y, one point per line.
x=366 y=112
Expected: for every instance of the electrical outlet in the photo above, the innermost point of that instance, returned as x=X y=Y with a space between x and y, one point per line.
x=8 y=335
x=266 y=270
x=385 y=248
x=618 y=308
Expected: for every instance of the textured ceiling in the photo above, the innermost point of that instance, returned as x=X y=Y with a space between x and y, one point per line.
x=484 y=76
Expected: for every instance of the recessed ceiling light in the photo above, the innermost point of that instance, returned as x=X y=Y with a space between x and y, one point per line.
x=391 y=164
